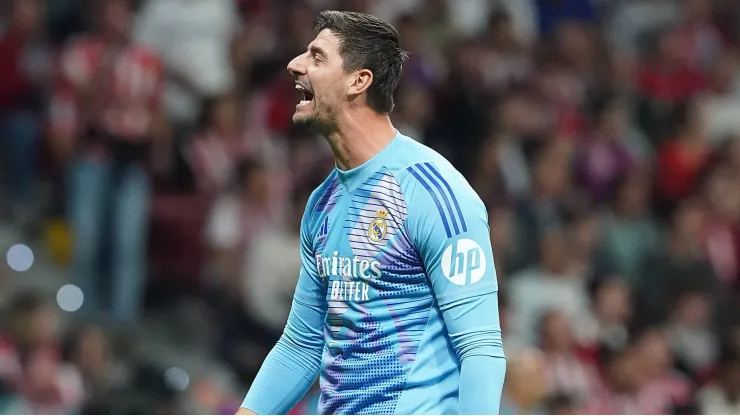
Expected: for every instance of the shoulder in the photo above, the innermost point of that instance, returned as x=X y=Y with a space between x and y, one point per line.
x=434 y=191
x=414 y=160
x=430 y=181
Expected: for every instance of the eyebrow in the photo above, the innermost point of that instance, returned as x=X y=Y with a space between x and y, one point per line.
x=315 y=50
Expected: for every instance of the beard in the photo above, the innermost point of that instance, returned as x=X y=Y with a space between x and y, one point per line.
x=320 y=119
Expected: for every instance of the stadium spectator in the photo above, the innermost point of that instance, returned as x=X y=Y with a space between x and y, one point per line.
x=612 y=312
x=533 y=291
x=194 y=40
x=629 y=233
x=721 y=100
x=24 y=77
x=692 y=335
x=215 y=153
x=525 y=389
x=104 y=117
x=565 y=373
x=604 y=156
x=723 y=396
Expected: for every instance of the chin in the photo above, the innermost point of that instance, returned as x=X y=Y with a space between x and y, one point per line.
x=309 y=120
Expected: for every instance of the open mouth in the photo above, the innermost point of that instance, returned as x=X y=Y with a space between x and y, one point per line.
x=306 y=95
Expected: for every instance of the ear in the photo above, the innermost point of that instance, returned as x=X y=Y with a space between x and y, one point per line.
x=361 y=81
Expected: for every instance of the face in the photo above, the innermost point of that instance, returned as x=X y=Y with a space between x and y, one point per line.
x=554 y=251
x=625 y=372
x=43 y=325
x=411 y=36
x=734 y=152
x=670 y=47
x=527 y=376
x=697 y=10
x=556 y=332
x=613 y=303
x=613 y=122
x=258 y=186
x=116 y=17
x=26 y=15
x=723 y=74
x=206 y=394
x=724 y=195
x=505 y=33
x=501 y=228
x=694 y=310
x=696 y=120
x=574 y=42
x=488 y=158
x=92 y=353
x=324 y=86
x=654 y=355
x=226 y=116
x=585 y=234
x=689 y=222
x=516 y=115
x=731 y=380
x=552 y=173
x=633 y=196
x=416 y=104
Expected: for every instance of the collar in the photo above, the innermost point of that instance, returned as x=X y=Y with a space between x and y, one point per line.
x=351 y=179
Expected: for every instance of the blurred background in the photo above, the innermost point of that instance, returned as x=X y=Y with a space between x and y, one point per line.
x=151 y=188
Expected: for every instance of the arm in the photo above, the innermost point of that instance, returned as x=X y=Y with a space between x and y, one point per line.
x=292 y=366
x=449 y=226
x=160 y=129
x=63 y=111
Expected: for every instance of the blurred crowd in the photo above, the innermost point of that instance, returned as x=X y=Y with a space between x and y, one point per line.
x=147 y=145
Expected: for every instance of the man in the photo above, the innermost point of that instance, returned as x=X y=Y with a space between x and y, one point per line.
x=396 y=304
x=193 y=38
x=104 y=113
x=23 y=59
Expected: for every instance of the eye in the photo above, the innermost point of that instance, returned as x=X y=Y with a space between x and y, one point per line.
x=317 y=59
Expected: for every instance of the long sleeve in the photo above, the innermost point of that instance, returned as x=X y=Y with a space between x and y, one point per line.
x=292 y=366
x=450 y=228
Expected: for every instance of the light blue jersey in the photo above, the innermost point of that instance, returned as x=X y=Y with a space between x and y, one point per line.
x=396 y=305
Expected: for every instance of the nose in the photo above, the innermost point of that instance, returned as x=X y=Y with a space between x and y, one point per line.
x=296 y=67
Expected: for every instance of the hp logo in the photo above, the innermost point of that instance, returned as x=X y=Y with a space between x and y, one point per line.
x=463 y=262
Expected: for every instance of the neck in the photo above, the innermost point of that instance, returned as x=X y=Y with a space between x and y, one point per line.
x=358 y=136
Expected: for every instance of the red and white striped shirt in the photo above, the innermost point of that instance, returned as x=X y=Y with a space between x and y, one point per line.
x=656 y=398
x=118 y=91
x=214 y=161
x=568 y=375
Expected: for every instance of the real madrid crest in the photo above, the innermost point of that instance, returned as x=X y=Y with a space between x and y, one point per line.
x=378 y=227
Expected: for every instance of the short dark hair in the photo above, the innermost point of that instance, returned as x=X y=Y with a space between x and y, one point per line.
x=367 y=42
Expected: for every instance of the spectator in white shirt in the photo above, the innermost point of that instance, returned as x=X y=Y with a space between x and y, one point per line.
x=273 y=264
x=723 y=396
x=194 y=38
x=722 y=100
x=546 y=287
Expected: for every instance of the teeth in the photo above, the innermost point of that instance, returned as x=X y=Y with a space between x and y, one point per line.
x=304 y=102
